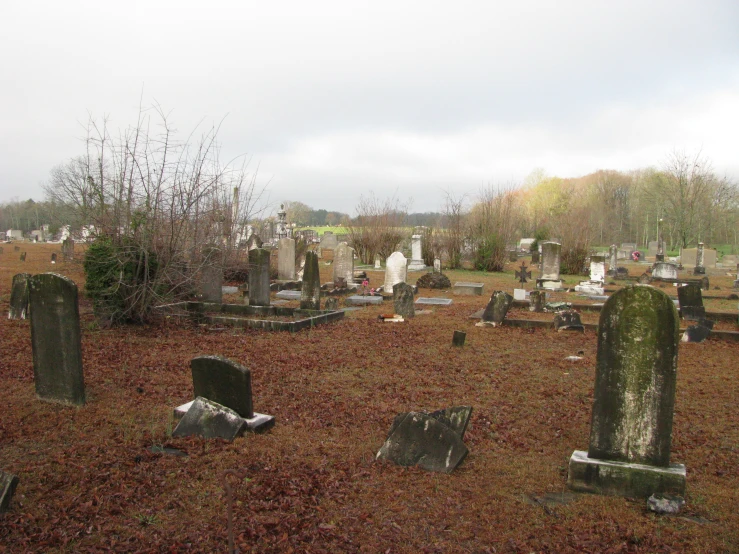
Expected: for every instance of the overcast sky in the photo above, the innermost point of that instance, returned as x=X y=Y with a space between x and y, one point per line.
x=332 y=99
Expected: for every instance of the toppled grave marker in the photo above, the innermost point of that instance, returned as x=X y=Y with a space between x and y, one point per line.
x=698 y=332
x=497 y=308
x=431 y=441
x=210 y=420
x=568 y=321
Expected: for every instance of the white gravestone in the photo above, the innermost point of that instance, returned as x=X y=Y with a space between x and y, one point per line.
x=396 y=271
x=344 y=263
x=550 y=260
x=378 y=262
x=437 y=265
x=416 y=254
x=664 y=270
x=286 y=259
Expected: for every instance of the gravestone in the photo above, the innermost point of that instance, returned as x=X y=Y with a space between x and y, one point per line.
x=68 y=248
x=211 y=277
x=550 y=262
x=513 y=256
x=535 y=256
x=378 y=262
x=210 y=420
x=568 y=321
x=691 y=302
x=286 y=259
x=332 y=304
x=465 y=288
x=612 y=259
x=698 y=332
x=689 y=257
x=259 y=277
x=55 y=339
x=53 y=257
x=437 y=265
x=357 y=300
x=396 y=271
x=426 y=440
x=434 y=301
x=597 y=269
x=497 y=308
x=631 y=424
x=23 y=256
x=458 y=338
x=664 y=270
x=700 y=267
x=310 y=292
x=8 y=484
x=344 y=263
x=416 y=263
x=403 y=300
x=16 y=248
x=19 y=296
x=328 y=241
x=537 y=301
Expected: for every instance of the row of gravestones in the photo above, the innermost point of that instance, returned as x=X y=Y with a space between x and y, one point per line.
x=631 y=425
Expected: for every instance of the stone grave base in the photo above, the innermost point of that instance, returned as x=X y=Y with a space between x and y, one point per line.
x=363 y=300
x=257 y=424
x=622 y=478
x=468 y=289
x=590 y=288
x=416 y=265
x=549 y=285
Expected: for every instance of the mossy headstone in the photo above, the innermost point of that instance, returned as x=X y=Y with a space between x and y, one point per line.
x=691 y=302
x=403 y=300
x=259 y=277
x=310 y=292
x=631 y=425
x=224 y=382
x=497 y=307
x=55 y=339
x=19 y=296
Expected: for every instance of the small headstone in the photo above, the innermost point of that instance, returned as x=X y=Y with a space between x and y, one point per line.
x=631 y=424
x=513 y=256
x=416 y=263
x=259 y=277
x=437 y=265
x=328 y=241
x=19 y=296
x=519 y=294
x=458 y=338
x=310 y=293
x=535 y=257
x=691 y=302
x=224 y=382
x=537 y=301
x=420 y=439
x=700 y=267
x=497 y=308
x=698 y=332
x=53 y=257
x=23 y=256
x=8 y=484
x=55 y=339
x=210 y=420
x=403 y=300
x=568 y=321
x=211 y=277
x=68 y=248
x=344 y=263
x=645 y=279
x=705 y=283
x=286 y=259
x=396 y=271
x=332 y=304
x=378 y=262
x=664 y=270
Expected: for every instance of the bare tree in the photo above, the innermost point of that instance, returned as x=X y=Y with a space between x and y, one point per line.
x=378 y=227
x=453 y=228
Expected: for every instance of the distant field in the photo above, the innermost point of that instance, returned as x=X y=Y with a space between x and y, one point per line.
x=320 y=230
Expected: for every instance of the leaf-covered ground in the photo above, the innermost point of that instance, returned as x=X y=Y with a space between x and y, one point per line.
x=89 y=481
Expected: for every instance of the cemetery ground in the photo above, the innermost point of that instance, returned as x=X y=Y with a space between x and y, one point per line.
x=95 y=478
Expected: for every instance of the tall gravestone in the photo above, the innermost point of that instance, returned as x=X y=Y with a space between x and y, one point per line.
x=211 y=277
x=378 y=262
x=700 y=262
x=612 y=259
x=19 y=296
x=55 y=339
x=286 y=259
x=631 y=423
x=344 y=263
x=310 y=292
x=68 y=248
x=550 y=263
x=259 y=277
x=416 y=262
x=396 y=271
x=403 y=300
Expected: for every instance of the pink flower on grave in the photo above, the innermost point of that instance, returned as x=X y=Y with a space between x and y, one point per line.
x=365 y=283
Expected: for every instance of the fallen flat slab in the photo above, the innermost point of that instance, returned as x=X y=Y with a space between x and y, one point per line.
x=289 y=294
x=434 y=301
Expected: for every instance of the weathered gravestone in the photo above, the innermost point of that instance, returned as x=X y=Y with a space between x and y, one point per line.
x=23 y=256
x=344 y=263
x=698 y=332
x=664 y=270
x=431 y=441
x=700 y=267
x=8 y=484
x=458 y=338
x=535 y=256
x=211 y=277
x=568 y=320
x=332 y=303
x=537 y=300
x=286 y=259
x=631 y=424
x=437 y=265
x=550 y=261
x=310 y=292
x=259 y=277
x=497 y=308
x=210 y=420
x=691 y=302
x=68 y=248
x=228 y=384
x=55 y=339
x=612 y=260
x=403 y=300
x=598 y=268
x=416 y=263
x=19 y=296
x=378 y=262
x=328 y=240
x=53 y=257
x=396 y=271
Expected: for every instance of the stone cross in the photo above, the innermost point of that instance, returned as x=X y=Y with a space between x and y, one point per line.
x=522 y=275
x=286 y=259
x=634 y=398
x=211 y=277
x=259 y=277
x=344 y=263
x=396 y=271
x=310 y=293
x=403 y=300
x=19 y=296
x=55 y=339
